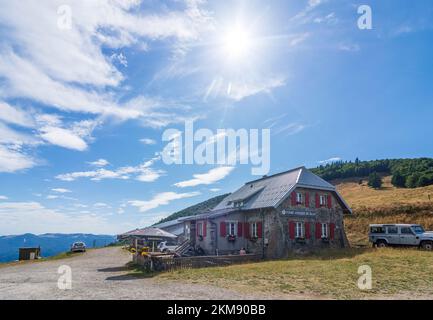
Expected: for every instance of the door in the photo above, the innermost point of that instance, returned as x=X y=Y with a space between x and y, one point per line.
x=407 y=237
x=392 y=235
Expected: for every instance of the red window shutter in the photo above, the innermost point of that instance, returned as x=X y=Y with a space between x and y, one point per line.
x=307 y=230
x=247 y=230
x=204 y=228
x=259 y=229
x=317 y=200
x=331 y=230
x=239 y=229
x=293 y=198
x=307 y=199
x=318 y=230
x=292 y=230
x=222 y=228
x=329 y=201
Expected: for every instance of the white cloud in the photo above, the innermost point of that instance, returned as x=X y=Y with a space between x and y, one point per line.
x=330 y=160
x=147 y=141
x=3 y=198
x=296 y=39
x=61 y=190
x=23 y=217
x=52 y=197
x=63 y=138
x=160 y=199
x=142 y=172
x=210 y=177
x=289 y=129
x=350 y=47
x=99 y=163
x=15 y=115
x=101 y=205
x=215 y=189
x=12 y=160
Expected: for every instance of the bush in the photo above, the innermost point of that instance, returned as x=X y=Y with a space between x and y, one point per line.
x=398 y=180
x=412 y=180
x=374 y=180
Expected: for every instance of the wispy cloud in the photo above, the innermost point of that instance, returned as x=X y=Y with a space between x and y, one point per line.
x=289 y=129
x=147 y=141
x=99 y=163
x=160 y=199
x=61 y=190
x=330 y=160
x=143 y=172
x=3 y=198
x=210 y=177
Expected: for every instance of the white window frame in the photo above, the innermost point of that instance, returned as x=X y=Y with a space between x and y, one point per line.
x=200 y=227
x=235 y=228
x=299 y=197
x=325 y=230
x=299 y=229
x=254 y=230
x=323 y=200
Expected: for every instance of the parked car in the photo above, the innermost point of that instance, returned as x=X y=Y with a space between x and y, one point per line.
x=78 y=247
x=382 y=235
x=166 y=246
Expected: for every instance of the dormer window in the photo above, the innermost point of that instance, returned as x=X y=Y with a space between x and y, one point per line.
x=238 y=204
x=299 y=198
x=323 y=200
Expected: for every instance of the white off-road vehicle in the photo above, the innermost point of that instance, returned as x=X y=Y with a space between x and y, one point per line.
x=166 y=246
x=382 y=235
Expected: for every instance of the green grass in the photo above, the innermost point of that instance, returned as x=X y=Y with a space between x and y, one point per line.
x=329 y=274
x=63 y=255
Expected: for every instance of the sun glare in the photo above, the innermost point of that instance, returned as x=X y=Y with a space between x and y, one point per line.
x=236 y=43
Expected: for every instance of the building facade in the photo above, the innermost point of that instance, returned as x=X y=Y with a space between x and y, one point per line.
x=291 y=211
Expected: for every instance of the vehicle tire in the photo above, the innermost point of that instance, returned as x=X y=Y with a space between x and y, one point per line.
x=381 y=244
x=427 y=245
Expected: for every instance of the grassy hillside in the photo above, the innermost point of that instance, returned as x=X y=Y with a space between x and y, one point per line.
x=196 y=209
x=397 y=273
x=385 y=205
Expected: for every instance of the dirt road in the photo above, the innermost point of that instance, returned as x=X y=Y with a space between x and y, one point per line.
x=97 y=274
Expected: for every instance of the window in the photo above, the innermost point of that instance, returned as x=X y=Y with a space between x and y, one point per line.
x=231 y=228
x=300 y=230
x=392 y=230
x=406 y=230
x=418 y=229
x=323 y=200
x=324 y=230
x=200 y=229
x=298 y=197
x=377 y=229
x=254 y=229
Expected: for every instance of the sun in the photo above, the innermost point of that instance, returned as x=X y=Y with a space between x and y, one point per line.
x=236 y=42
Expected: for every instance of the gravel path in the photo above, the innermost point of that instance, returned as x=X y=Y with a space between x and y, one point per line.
x=98 y=274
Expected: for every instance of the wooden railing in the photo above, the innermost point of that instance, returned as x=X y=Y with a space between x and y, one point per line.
x=170 y=263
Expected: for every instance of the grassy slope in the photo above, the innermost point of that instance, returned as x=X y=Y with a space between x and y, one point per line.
x=387 y=205
x=402 y=273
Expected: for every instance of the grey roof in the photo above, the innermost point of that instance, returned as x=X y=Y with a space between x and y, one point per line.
x=169 y=223
x=148 y=232
x=210 y=214
x=270 y=191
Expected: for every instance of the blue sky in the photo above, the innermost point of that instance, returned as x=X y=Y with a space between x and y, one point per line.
x=87 y=90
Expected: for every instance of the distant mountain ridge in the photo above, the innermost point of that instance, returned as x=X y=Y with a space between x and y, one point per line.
x=51 y=243
x=195 y=209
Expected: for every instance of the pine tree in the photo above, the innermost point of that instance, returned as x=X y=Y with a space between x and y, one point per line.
x=398 y=180
x=374 y=180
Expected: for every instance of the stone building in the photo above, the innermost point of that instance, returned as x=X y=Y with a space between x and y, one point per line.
x=290 y=211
